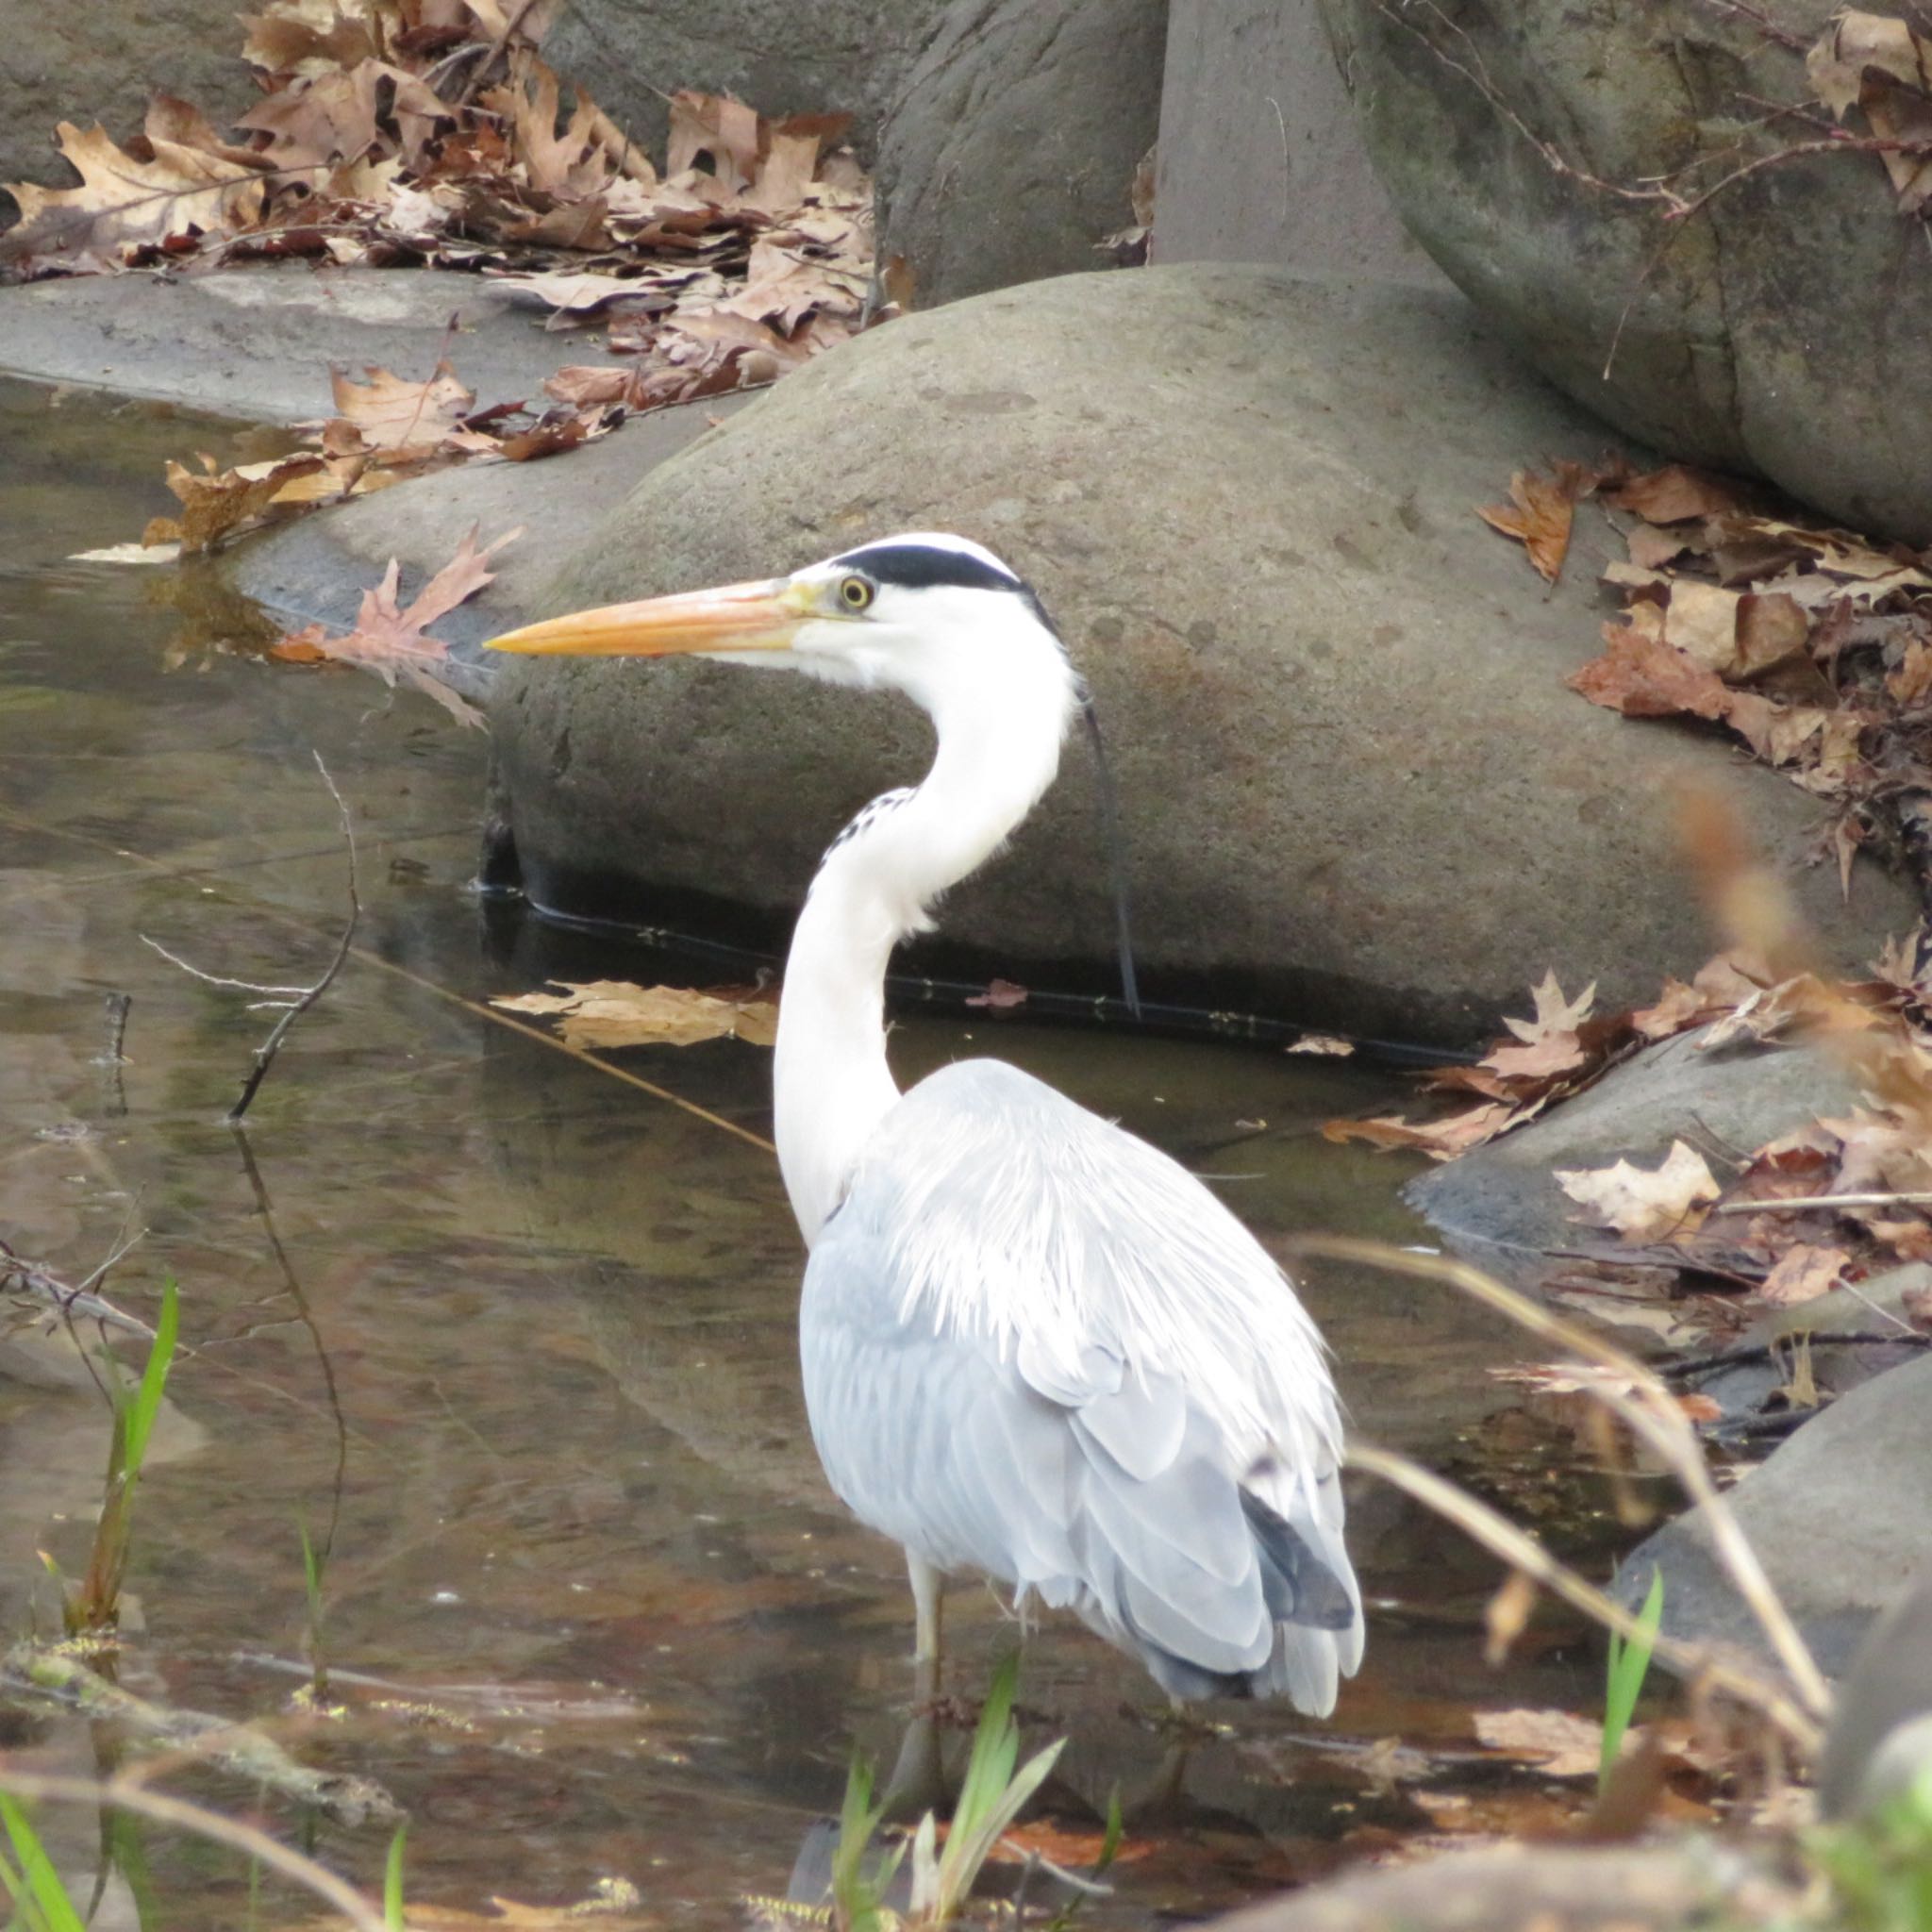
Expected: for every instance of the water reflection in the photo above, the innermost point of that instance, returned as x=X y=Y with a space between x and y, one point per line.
x=589 y=1606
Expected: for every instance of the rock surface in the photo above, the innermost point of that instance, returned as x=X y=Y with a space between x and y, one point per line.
x=98 y=60
x=1261 y=157
x=1352 y=784
x=847 y=57
x=257 y=343
x=1501 y=1204
x=1012 y=147
x=1525 y=1888
x=1778 y=329
x=1837 y=1515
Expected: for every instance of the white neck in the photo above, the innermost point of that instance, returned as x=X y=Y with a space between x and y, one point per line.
x=999 y=744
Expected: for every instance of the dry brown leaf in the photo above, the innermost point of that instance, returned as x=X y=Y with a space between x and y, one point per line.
x=717 y=126
x=1550 y=1043
x=1539 y=514
x=1644 y=1205
x=613 y=1012
x=1321 y=1044
x=388 y=412
x=392 y=641
x=127 y=200
x=216 y=503
x=1883 y=66
x=1701 y=621
x=1558 y=1744
x=1440 y=1140
x=1804 y=1271
x=1672 y=494
x=1641 y=676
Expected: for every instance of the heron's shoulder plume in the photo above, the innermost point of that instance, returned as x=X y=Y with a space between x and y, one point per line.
x=869 y=814
x=1015 y=1216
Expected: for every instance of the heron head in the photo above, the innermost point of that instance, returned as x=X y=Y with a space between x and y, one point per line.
x=925 y=613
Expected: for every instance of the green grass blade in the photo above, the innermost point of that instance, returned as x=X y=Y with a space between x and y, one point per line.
x=147 y=1405
x=1628 y=1665
x=36 y=1886
x=393 y=1883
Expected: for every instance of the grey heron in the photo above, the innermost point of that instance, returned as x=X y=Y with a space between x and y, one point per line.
x=1033 y=1345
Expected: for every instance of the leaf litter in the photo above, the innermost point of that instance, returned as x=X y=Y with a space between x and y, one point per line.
x=404 y=133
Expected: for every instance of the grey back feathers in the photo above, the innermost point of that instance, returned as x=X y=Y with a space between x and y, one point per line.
x=1045 y=1418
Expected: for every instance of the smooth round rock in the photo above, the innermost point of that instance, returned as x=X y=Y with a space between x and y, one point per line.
x=1837 y=1516
x=1352 y=785
x=1774 y=330
x=1012 y=147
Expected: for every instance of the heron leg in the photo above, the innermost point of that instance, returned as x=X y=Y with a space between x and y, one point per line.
x=928 y=1587
x=918 y=1783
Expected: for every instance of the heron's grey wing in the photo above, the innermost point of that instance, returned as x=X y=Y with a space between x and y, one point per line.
x=1098 y=1487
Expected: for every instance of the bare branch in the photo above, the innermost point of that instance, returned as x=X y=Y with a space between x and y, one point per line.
x=265 y=1053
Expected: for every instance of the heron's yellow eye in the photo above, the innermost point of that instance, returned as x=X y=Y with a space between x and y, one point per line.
x=854 y=592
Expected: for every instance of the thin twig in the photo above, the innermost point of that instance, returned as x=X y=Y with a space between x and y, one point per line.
x=188 y=966
x=265 y=1053
x=1918 y=1200
x=1518 y=1549
x=124 y=1795
x=1652 y=1412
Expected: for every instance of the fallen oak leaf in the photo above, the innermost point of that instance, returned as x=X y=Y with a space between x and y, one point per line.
x=1672 y=494
x=166 y=183
x=388 y=412
x=615 y=1012
x=1550 y=1043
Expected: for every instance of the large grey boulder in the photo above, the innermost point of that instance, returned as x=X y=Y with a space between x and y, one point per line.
x=90 y=60
x=1352 y=784
x=1261 y=157
x=1012 y=148
x=1774 y=331
x=1837 y=1518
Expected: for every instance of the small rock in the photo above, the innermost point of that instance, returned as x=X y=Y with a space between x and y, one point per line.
x=1502 y=1206
x=1881 y=1740
x=1837 y=1518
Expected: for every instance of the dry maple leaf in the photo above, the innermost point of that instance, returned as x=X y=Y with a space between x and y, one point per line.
x=614 y=1012
x=392 y=641
x=1550 y=1045
x=1541 y=514
x=1643 y=1205
x=1883 y=66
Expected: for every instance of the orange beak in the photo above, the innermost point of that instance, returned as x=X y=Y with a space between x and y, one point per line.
x=737 y=617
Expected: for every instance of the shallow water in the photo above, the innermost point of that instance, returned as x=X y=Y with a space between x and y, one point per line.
x=590 y=1608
